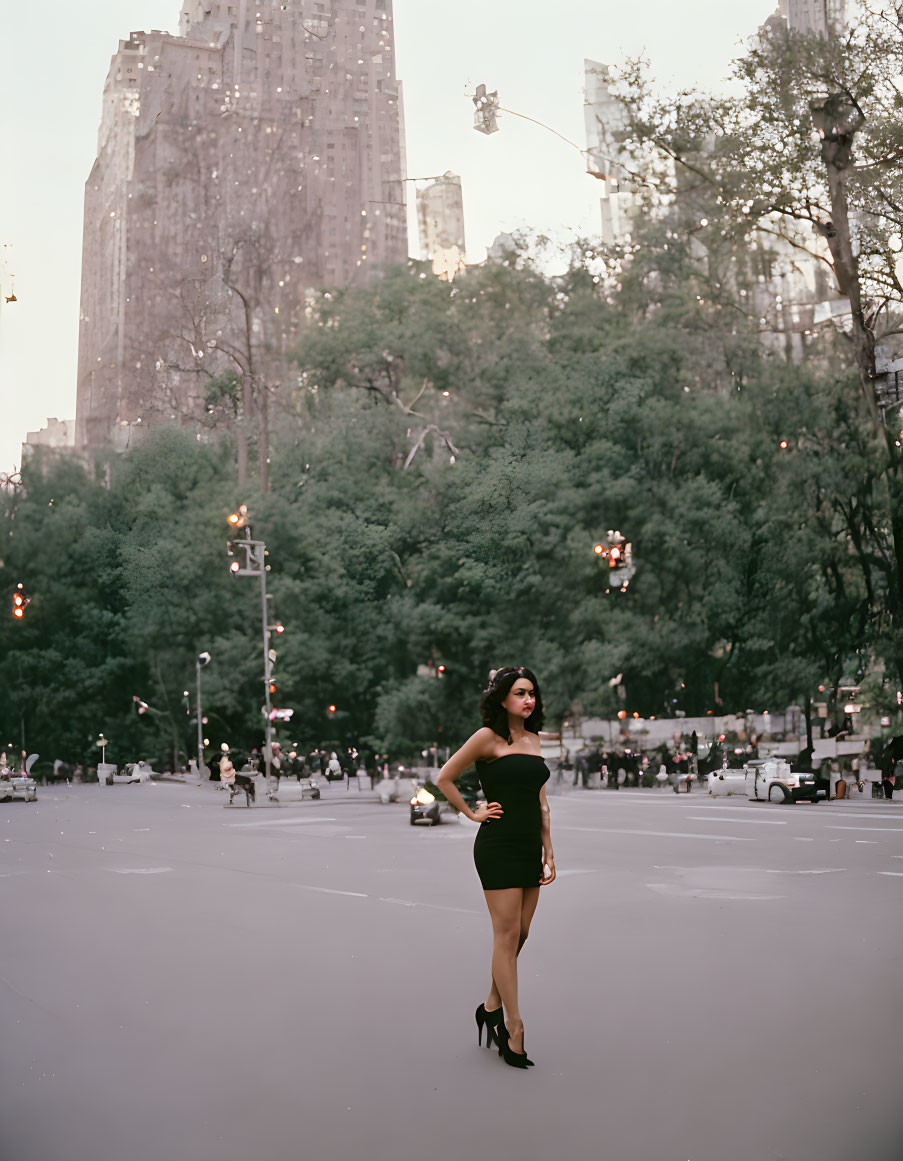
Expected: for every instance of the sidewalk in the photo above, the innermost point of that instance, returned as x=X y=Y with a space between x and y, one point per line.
x=337 y=793
x=863 y=800
x=289 y=793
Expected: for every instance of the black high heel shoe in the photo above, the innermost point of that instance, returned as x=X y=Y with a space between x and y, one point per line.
x=491 y=1020
x=515 y=1059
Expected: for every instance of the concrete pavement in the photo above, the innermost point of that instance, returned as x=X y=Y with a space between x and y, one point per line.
x=705 y=981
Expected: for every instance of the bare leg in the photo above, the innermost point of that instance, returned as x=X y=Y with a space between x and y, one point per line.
x=507 y=910
x=528 y=909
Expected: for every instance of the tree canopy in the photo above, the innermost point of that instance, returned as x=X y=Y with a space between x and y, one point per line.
x=438 y=481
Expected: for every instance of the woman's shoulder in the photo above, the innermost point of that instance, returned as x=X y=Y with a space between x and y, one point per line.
x=482 y=745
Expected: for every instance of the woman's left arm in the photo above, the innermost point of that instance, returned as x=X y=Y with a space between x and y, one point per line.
x=548 y=856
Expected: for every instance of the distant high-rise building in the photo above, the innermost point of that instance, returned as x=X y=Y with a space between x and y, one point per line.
x=252 y=157
x=819 y=16
x=604 y=118
x=795 y=291
x=440 y=217
x=58 y=434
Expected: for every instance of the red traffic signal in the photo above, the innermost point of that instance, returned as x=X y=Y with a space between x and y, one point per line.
x=331 y=710
x=239 y=518
x=19 y=602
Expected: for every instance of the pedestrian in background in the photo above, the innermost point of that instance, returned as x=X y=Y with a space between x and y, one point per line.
x=275 y=771
x=889 y=781
x=226 y=770
x=513 y=846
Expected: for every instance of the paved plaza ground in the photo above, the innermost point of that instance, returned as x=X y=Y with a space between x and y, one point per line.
x=708 y=980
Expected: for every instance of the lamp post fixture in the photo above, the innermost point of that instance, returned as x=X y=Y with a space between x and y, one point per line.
x=202 y=660
x=103 y=743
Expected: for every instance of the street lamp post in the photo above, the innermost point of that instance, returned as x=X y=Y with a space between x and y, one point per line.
x=102 y=770
x=202 y=660
x=485 y=121
x=254 y=563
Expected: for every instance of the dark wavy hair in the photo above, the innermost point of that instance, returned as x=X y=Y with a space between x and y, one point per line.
x=493 y=713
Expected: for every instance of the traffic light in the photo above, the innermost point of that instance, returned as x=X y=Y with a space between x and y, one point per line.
x=240 y=518
x=272 y=687
x=19 y=602
x=487 y=106
x=331 y=710
x=618 y=552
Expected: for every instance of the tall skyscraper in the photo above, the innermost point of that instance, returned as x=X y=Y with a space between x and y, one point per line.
x=256 y=155
x=604 y=118
x=819 y=16
x=440 y=220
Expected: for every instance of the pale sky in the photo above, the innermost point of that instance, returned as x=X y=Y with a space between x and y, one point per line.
x=54 y=59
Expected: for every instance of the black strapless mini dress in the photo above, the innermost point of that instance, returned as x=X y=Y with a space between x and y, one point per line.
x=508 y=850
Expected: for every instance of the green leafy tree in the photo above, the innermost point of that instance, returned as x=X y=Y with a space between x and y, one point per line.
x=804 y=154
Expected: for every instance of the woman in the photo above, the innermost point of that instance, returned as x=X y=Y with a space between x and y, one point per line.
x=513 y=847
x=226 y=770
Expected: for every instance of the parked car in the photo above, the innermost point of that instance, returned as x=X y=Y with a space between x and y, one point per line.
x=19 y=786
x=133 y=772
x=772 y=780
